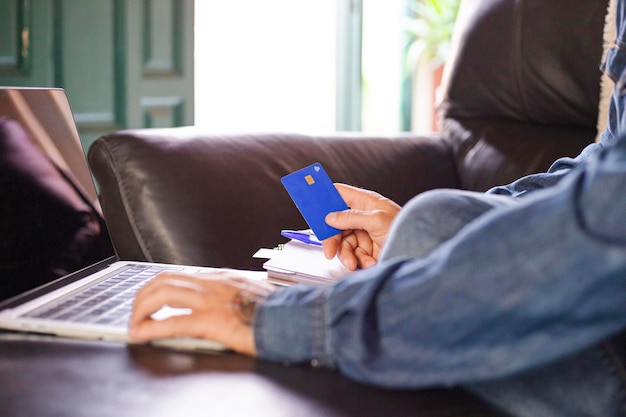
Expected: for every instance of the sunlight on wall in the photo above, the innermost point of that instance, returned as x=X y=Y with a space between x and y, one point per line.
x=265 y=65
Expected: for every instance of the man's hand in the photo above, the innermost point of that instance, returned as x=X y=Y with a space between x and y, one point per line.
x=221 y=308
x=365 y=226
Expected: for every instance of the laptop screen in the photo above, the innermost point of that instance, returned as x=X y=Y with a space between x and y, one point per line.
x=51 y=223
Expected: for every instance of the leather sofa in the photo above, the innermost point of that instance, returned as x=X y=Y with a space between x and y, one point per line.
x=521 y=89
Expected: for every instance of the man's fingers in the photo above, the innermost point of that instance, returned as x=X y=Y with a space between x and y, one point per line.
x=357 y=197
x=331 y=245
x=349 y=220
x=364 y=258
x=210 y=308
x=346 y=252
x=152 y=298
x=181 y=291
x=163 y=329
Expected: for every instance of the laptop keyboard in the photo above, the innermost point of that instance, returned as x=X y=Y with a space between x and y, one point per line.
x=108 y=302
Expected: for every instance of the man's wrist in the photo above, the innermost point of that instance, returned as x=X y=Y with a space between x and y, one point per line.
x=245 y=304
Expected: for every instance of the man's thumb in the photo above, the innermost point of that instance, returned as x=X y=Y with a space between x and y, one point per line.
x=331 y=218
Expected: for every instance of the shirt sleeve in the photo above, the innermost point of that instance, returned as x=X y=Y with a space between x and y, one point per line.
x=558 y=170
x=517 y=288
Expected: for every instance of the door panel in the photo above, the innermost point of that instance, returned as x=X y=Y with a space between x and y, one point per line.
x=85 y=64
x=25 y=28
x=162 y=80
x=124 y=64
x=14 y=22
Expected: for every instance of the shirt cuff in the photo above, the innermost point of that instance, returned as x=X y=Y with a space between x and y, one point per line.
x=290 y=327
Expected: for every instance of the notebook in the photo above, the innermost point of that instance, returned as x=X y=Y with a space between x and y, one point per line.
x=59 y=273
x=301 y=263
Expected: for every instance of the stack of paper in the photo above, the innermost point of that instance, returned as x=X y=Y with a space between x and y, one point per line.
x=298 y=262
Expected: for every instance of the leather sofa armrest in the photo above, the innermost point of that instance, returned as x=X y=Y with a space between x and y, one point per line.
x=180 y=195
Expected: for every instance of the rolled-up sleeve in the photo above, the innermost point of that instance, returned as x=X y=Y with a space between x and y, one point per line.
x=517 y=288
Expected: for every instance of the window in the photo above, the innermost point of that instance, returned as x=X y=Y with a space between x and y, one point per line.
x=383 y=47
x=312 y=66
x=266 y=65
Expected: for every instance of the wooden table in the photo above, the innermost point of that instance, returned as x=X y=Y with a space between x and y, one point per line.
x=44 y=376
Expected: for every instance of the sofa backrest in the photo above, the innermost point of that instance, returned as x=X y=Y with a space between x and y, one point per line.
x=181 y=195
x=522 y=86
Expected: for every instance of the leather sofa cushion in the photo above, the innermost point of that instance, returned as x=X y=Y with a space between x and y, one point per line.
x=47 y=227
x=532 y=61
x=522 y=87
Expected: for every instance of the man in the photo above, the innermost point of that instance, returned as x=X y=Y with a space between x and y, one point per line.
x=519 y=294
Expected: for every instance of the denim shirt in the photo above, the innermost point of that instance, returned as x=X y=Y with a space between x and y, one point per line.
x=515 y=289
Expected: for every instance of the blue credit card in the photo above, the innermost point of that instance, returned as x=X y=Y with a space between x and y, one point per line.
x=315 y=195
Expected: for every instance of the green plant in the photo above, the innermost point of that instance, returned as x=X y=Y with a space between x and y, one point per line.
x=429 y=25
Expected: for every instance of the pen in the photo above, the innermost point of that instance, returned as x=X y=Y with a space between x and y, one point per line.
x=305 y=236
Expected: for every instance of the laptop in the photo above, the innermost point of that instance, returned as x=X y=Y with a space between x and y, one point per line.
x=59 y=274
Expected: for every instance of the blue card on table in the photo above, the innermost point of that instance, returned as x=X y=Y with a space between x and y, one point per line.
x=315 y=195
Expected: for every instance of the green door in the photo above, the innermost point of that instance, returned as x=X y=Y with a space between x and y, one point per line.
x=124 y=64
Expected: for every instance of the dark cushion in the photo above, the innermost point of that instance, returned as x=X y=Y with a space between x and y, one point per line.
x=522 y=87
x=47 y=227
x=532 y=61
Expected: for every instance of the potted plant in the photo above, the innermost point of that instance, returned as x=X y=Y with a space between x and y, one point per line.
x=429 y=27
